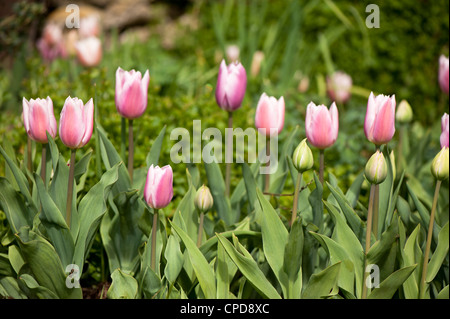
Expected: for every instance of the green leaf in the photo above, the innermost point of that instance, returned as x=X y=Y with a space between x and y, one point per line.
x=175 y=259
x=443 y=294
x=9 y=288
x=323 y=283
x=391 y=284
x=203 y=270
x=411 y=255
x=439 y=254
x=250 y=185
x=293 y=260
x=155 y=150
x=123 y=286
x=249 y=268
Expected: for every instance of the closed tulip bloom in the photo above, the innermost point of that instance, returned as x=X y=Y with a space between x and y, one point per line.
x=444 y=131
x=321 y=125
x=439 y=166
x=270 y=114
x=38 y=118
x=443 y=73
x=404 y=113
x=131 y=93
x=158 y=191
x=379 y=125
x=302 y=158
x=376 y=168
x=231 y=86
x=203 y=199
x=339 y=85
x=89 y=51
x=76 y=122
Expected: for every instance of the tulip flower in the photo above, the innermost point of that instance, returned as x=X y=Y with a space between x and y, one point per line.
x=444 y=129
x=204 y=202
x=269 y=117
x=89 y=51
x=158 y=190
x=443 y=74
x=339 y=85
x=404 y=113
x=379 y=125
x=230 y=91
x=158 y=193
x=38 y=118
x=376 y=168
x=76 y=123
x=231 y=86
x=51 y=44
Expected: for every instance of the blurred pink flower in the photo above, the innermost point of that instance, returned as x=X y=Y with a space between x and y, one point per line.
x=38 y=118
x=89 y=51
x=444 y=130
x=379 y=124
x=76 y=122
x=158 y=191
x=231 y=86
x=339 y=85
x=321 y=125
x=443 y=73
x=131 y=93
x=270 y=114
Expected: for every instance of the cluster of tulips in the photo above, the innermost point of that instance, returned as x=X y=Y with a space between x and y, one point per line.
x=76 y=127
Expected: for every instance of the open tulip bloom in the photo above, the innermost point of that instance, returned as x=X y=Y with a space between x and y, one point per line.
x=379 y=124
x=89 y=51
x=269 y=117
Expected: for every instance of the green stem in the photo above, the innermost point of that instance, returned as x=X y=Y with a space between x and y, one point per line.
x=29 y=160
x=368 y=235
x=229 y=150
x=200 y=230
x=70 y=187
x=376 y=206
x=154 y=231
x=296 y=193
x=123 y=138
x=429 y=238
x=267 y=177
x=130 y=150
x=43 y=163
x=322 y=165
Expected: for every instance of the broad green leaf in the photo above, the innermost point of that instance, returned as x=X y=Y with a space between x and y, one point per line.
x=293 y=260
x=223 y=280
x=123 y=286
x=9 y=288
x=315 y=200
x=150 y=284
x=353 y=192
x=203 y=270
x=321 y=284
x=33 y=289
x=439 y=254
x=443 y=294
x=411 y=255
x=391 y=284
x=155 y=150
x=249 y=268
x=15 y=258
x=175 y=259
x=250 y=185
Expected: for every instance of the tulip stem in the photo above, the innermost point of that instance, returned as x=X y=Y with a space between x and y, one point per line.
x=29 y=160
x=130 y=150
x=296 y=193
x=229 y=154
x=43 y=163
x=70 y=187
x=368 y=236
x=429 y=238
x=376 y=205
x=267 y=177
x=200 y=230
x=322 y=165
x=123 y=135
x=154 y=230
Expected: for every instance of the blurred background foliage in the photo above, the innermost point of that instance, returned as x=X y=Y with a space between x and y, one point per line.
x=184 y=42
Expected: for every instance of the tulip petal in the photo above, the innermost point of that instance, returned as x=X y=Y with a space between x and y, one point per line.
x=71 y=125
x=384 y=125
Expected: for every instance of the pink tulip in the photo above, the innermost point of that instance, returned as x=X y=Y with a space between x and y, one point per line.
x=231 y=85
x=444 y=128
x=131 y=93
x=269 y=114
x=158 y=190
x=76 y=123
x=379 y=125
x=443 y=74
x=38 y=118
x=321 y=125
x=89 y=51
x=338 y=87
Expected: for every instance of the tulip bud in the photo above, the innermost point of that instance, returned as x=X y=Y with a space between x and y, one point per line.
x=444 y=131
x=379 y=124
x=38 y=118
x=439 y=166
x=302 y=158
x=376 y=168
x=89 y=51
x=231 y=86
x=404 y=112
x=321 y=125
x=338 y=87
x=443 y=74
x=392 y=158
x=76 y=122
x=269 y=114
x=131 y=93
x=258 y=57
x=203 y=199
x=232 y=53
x=158 y=191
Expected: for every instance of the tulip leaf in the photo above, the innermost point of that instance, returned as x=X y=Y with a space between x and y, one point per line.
x=123 y=286
x=411 y=255
x=248 y=267
x=391 y=284
x=9 y=288
x=293 y=260
x=323 y=283
x=155 y=150
x=203 y=270
x=439 y=254
x=175 y=259
x=250 y=185
x=443 y=294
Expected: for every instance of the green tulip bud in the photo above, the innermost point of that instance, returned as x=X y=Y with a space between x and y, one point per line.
x=302 y=158
x=376 y=168
x=203 y=199
x=404 y=112
x=439 y=167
